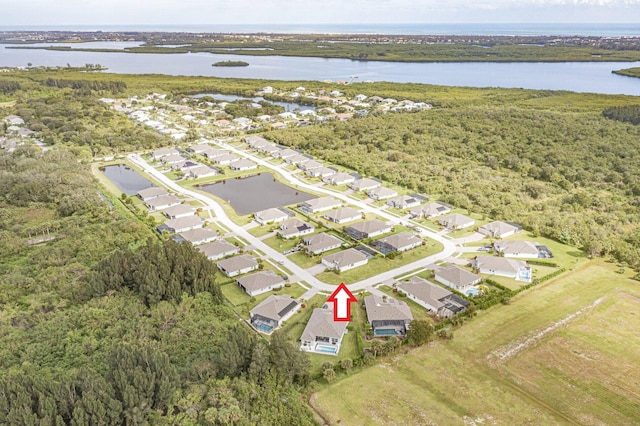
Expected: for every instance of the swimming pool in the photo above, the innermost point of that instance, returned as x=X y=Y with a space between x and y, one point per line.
x=264 y=328
x=472 y=292
x=385 y=332
x=327 y=349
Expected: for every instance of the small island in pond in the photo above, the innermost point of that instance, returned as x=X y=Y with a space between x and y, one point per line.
x=231 y=64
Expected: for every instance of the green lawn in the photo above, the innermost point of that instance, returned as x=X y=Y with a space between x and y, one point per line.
x=243 y=303
x=497 y=370
x=279 y=244
x=379 y=265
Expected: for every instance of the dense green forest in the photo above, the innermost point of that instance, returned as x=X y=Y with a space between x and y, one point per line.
x=103 y=295
x=103 y=323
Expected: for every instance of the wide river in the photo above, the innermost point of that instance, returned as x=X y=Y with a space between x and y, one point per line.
x=595 y=77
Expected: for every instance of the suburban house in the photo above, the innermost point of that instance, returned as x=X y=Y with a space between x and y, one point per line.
x=260 y=282
x=321 y=172
x=387 y=316
x=215 y=153
x=199 y=148
x=404 y=202
x=182 y=224
x=185 y=165
x=163 y=152
x=173 y=159
x=456 y=277
x=270 y=150
x=297 y=159
x=343 y=215
x=286 y=153
x=295 y=227
x=162 y=202
x=340 y=178
x=319 y=243
x=242 y=165
x=503 y=267
x=368 y=229
x=238 y=265
x=436 y=299
x=322 y=334
x=225 y=159
x=181 y=210
x=310 y=165
x=321 y=204
x=202 y=172
x=218 y=249
x=151 y=193
x=345 y=260
x=273 y=215
x=433 y=209
x=398 y=243
x=258 y=142
x=272 y=312
x=365 y=184
x=499 y=229
x=199 y=236
x=521 y=249
x=381 y=193
x=456 y=221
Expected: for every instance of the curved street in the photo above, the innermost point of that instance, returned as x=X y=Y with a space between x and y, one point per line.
x=449 y=248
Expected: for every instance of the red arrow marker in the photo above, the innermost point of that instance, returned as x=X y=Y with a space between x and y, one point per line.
x=342 y=299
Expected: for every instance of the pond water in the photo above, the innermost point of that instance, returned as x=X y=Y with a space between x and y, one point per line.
x=126 y=179
x=254 y=193
x=288 y=106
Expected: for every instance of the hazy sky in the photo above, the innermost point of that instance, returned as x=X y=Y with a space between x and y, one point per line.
x=127 y=12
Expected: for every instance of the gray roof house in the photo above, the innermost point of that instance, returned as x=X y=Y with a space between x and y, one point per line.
x=368 y=229
x=173 y=159
x=199 y=236
x=387 y=316
x=151 y=193
x=319 y=243
x=297 y=159
x=181 y=210
x=162 y=202
x=456 y=277
x=184 y=223
x=295 y=227
x=433 y=209
x=339 y=178
x=272 y=215
x=285 y=153
x=202 y=172
x=272 y=312
x=260 y=282
x=398 y=242
x=225 y=159
x=345 y=260
x=321 y=172
x=403 y=202
x=310 y=165
x=499 y=229
x=503 y=267
x=218 y=249
x=322 y=334
x=163 y=152
x=256 y=141
x=365 y=184
x=238 y=265
x=520 y=249
x=381 y=193
x=214 y=153
x=343 y=215
x=433 y=297
x=456 y=221
x=317 y=205
x=243 y=164
x=269 y=150
x=199 y=148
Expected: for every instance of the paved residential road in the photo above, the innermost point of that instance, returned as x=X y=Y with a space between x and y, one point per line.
x=302 y=274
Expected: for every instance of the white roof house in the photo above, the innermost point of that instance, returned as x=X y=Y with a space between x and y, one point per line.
x=162 y=202
x=365 y=184
x=184 y=223
x=456 y=221
x=295 y=227
x=339 y=178
x=345 y=260
x=456 y=277
x=273 y=215
x=181 y=210
x=150 y=193
x=520 y=249
x=381 y=193
x=433 y=209
x=404 y=202
x=260 y=282
x=499 y=229
x=238 y=265
x=503 y=267
x=398 y=242
x=321 y=204
x=368 y=229
x=242 y=165
x=319 y=243
x=218 y=249
x=343 y=215
x=199 y=236
x=322 y=334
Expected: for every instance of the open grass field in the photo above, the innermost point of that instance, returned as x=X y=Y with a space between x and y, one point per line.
x=563 y=353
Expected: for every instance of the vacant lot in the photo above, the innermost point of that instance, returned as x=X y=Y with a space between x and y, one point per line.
x=565 y=352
